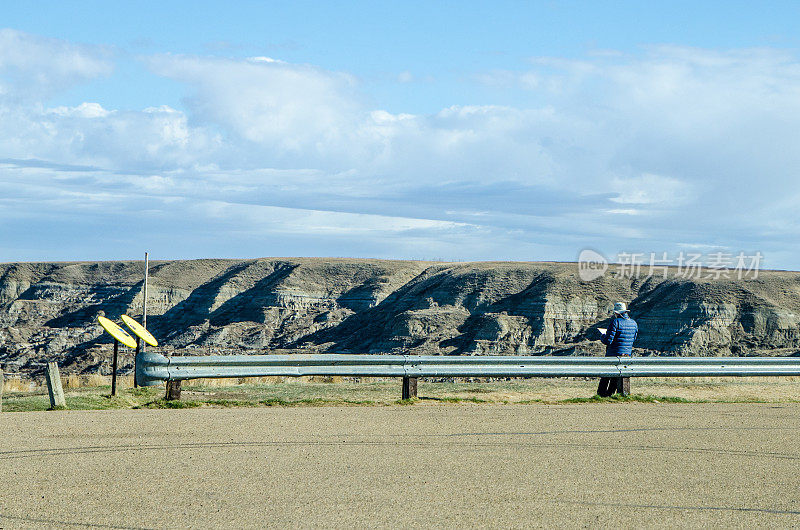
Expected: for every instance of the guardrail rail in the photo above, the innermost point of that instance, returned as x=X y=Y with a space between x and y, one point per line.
x=153 y=369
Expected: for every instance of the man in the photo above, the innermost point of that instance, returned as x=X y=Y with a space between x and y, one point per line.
x=619 y=342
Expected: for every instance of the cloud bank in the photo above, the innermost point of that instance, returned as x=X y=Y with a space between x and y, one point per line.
x=665 y=149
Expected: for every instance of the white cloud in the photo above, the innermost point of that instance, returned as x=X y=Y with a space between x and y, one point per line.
x=625 y=211
x=649 y=189
x=33 y=67
x=84 y=110
x=291 y=111
x=405 y=77
x=91 y=135
x=263 y=59
x=324 y=223
x=637 y=152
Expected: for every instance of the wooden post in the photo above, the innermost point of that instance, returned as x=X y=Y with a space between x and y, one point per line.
x=625 y=386
x=114 y=369
x=621 y=385
x=54 y=389
x=1 y=390
x=173 y=390
x=409 y=387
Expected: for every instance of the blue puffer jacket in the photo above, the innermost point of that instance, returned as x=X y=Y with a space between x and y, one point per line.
x=620 y=336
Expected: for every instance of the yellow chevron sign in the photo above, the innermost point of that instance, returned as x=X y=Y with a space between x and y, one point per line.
x=117 y=332
x=139 y=330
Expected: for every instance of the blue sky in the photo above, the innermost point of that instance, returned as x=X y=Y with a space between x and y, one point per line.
x=459 y=130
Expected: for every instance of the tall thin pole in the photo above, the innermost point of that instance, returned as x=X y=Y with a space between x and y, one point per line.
x=140 y=344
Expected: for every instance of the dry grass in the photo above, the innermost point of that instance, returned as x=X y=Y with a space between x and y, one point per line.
x=71 y=381
x=17 y=384
x=268 y=380
x=553 y=390
x=772 y=389
x=547 y=390
x=234 y=381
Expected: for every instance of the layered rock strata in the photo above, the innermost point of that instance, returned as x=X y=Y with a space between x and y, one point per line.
x=48 y=310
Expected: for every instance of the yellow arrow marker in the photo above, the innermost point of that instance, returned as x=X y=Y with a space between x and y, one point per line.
x=117 y=332
x=139 y=330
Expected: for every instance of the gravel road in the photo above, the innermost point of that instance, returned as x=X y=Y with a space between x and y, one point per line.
x=408 y=466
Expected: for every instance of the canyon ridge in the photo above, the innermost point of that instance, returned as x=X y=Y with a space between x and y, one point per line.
x=48 y=311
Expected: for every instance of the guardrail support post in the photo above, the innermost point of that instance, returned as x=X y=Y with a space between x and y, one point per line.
x=409 y=387
x=1 y=390
x=625 y=389
x=54 y=388
x=173 y=390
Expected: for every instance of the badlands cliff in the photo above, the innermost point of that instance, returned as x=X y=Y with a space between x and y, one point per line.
x=48 y=310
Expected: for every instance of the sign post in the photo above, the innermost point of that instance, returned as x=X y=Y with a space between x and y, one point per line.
x=120 y=335
x=135 y=363
x=143 y=337
x=114 y=369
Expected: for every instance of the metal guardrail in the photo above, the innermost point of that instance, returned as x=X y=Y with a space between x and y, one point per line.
x=153 y=368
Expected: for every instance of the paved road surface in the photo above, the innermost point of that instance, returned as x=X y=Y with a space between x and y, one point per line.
x=455 y=465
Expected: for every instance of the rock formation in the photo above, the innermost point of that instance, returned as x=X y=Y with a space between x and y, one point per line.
x=48 y=310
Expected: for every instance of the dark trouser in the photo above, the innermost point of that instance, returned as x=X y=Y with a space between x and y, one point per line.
x=609 y=385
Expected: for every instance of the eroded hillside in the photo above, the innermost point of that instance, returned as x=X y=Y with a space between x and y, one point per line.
x=48 y=310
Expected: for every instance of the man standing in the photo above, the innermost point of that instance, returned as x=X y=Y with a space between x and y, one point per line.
x=619 y=342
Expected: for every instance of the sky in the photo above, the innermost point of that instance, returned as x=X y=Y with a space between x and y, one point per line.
x=402 y=130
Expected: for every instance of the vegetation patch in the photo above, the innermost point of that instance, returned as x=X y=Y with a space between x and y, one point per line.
x=171 y=404
x=454 y=399
x=478 y=390
x=300 y=393
x=633 y=398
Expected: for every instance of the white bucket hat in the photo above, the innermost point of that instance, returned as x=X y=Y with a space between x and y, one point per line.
x=619 y=308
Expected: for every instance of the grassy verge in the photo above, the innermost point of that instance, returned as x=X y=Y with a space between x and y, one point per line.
x=294 y=393
x=93 y=398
